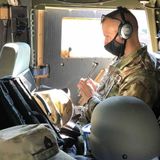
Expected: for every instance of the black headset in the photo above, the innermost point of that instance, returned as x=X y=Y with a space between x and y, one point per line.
x=125 y=28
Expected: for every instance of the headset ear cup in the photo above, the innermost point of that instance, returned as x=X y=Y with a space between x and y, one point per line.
x=125 y=30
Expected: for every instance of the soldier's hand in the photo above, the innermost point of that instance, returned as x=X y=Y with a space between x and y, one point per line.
x=86 y=89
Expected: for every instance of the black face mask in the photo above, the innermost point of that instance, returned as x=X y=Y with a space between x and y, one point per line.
x=115 y=47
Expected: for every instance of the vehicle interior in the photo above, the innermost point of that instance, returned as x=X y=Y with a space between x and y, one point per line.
x=46 y=46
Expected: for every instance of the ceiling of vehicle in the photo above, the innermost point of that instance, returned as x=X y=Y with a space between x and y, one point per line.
x=91 y=3
x=84 y=1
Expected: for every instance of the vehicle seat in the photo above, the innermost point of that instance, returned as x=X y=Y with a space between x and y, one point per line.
x=16 y=84
x=11 y=62
x=15 y=64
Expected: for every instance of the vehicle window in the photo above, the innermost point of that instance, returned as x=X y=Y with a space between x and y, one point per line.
x=82 y=37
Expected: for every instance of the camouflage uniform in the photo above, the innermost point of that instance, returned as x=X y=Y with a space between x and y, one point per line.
x=133 y=75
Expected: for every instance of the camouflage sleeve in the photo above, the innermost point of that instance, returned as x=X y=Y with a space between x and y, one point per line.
x=142 y=89
x=93 y=101
x=97 y=98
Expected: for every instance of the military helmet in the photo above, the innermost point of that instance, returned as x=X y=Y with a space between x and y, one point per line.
x=124 y=127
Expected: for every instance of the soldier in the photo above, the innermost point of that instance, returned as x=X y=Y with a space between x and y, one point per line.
x=132 y=73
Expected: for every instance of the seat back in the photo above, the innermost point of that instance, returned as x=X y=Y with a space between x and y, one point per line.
x=12 y=61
